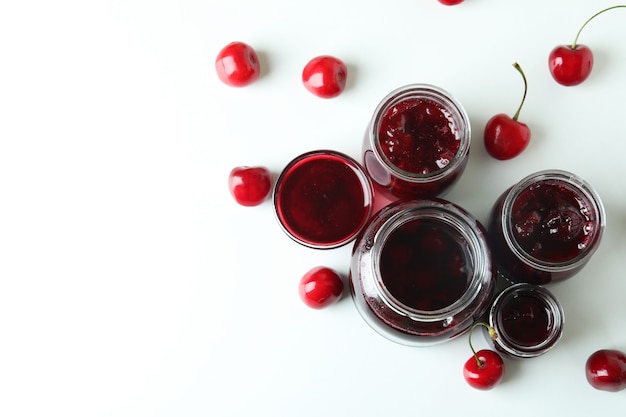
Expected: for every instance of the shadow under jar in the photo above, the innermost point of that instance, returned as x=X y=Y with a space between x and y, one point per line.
x=417 y=142
x=421 y=272
x=546 y=227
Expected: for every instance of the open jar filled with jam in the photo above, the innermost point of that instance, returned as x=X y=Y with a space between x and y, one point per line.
x=546 y=227
x=322 y=199
x=421 y=272
x=417 y=142
x=528 y=319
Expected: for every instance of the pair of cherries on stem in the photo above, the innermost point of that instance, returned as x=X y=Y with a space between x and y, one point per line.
x=238 y=65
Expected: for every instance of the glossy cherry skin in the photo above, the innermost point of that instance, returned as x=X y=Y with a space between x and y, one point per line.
x=450 y=2
x=250 y=186
x=606 y=370
x=320 y=287
x=570 y=66
x=237 y=64
x=325 y=76
x=505 y=137
x=488 y=374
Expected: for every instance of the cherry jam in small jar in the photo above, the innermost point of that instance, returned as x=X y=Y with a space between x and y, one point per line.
x=322 y=199
x=528 y=319
x=546 y=227
x=421 y=272
x=417 y=142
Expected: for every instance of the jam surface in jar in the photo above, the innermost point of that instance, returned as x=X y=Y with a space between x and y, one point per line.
x=322 y=199
x=528 y=319
x=551 y=222
x=423 y=265
x=525 y=320
x=418 y=136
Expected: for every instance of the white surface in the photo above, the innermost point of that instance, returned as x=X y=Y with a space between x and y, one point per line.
x=131 y=284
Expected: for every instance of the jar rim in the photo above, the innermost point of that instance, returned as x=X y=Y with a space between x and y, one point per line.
x=459 y=221
x=433 y=93
x=553 y=307
x=573 y=183
x=359 y=173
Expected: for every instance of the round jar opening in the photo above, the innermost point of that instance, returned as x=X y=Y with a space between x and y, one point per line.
x=425 y=264
x=420 y=133
x=553 y=220
x=402 y=241
x=322 y=199
x=528 y=319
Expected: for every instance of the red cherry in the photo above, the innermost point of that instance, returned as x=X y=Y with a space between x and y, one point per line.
x=237 y=64
x=325 y=76
x=606 y=370
x=485 y=369
x=450 y=2
x=505 y=137
x=320 y=287
x=571 y=65
x=250 y=186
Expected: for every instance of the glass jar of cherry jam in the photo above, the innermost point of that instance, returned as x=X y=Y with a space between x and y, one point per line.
x=322 y=199
x=421 y=272
x=546 y=227
x=417 y=142
x=528 y=319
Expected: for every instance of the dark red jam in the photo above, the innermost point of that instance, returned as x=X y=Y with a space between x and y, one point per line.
x=545 y=228
x=418 y=136
x=528 y=320
x=525 y=320
x=421 y=271
x=417 y=143
x=551 y=222
x=322 y=199
x=423 y=265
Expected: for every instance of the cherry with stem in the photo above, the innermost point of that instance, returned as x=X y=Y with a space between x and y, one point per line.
x=485 y=369
x=506 y=137
x=571 y=64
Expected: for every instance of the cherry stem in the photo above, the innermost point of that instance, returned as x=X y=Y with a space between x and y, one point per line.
x=590 y=19
x=492 y=334
x=518 y=68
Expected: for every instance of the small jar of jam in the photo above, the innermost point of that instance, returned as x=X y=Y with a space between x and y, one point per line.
x=322 y=199
x=417 y=142
x=528 y=320
x=421 y=272
x=546 y=227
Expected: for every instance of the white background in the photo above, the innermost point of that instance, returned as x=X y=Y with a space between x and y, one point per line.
x=131 y=284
